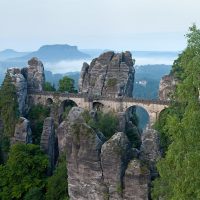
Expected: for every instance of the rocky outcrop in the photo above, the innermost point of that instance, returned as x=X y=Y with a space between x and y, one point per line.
x=48 y=142
x=167 y=87
x=100 y=169
x=150 y=151
x=23 y=133
x=26 y=79
x=82 y=145
x=136 y=181
x=21 y=88
x=114 y=160
x=34 y=74
x=111 y=74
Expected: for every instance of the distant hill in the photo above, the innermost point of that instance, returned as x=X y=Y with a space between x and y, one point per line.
x=54 y=53
x=10 y=53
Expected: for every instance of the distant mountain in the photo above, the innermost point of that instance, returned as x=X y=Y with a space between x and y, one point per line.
x=10 y=53
x=54 y=53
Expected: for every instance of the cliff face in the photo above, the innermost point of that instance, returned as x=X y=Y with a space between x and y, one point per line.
x=99 y=169
x=166 y=87
x=28 y=78
x=111 y=74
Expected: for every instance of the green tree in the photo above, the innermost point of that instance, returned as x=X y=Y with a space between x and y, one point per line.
x=57 y=183
x=36 y=115
x=8 y=106
x=25 y=169
x=179 y=169
x=8 y=114
x=66 y=84
x=49 y=87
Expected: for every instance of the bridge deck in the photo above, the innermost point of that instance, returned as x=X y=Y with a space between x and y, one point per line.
x=96 y=98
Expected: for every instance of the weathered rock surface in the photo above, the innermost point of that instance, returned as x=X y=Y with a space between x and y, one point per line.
x=100 y=169
x=150 y=151
x=21 y=87
x=166 y=87
x=136 y=181
x=114 y=160
x=26 y=79
x=111 y=74
x=85 y=179
x=74 y=117
x=34 y=74
x=23 y=133
x=48 y=142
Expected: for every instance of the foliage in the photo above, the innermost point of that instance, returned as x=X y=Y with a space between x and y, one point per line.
x=106 y=123
x=36 y=115
x=24 y=170
x=179 y=169
x=8 y=115
x=8 y=106
x=34 y=194
x=57 y=183
x=66 y=84
x=49 y=87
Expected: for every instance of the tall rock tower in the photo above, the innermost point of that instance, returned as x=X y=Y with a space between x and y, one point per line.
x=111 y=74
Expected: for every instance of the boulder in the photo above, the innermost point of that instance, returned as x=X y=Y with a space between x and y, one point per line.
x=111 y=74
x=20 y=84
x=114 y=160
x=48 y=143
x=23 y=133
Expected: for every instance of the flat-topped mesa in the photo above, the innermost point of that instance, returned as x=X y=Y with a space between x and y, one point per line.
x=111 y=74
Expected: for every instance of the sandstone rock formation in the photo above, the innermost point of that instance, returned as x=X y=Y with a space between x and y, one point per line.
x=111 y=74
x=150 y=151
x=48 y=142
x=100 y=169
x=26 y=79
x=34 y=74
x=21 y=88
x=136 y=181
x=166 y=87
x=114 y=160
x=23 y=133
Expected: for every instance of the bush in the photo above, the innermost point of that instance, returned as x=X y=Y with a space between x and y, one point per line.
x=34 y=194
x=25 y=169
x=49 y=87
x=57 y=183
x=37 y=115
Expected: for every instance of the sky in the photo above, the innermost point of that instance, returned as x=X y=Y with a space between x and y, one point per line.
x=158 y=25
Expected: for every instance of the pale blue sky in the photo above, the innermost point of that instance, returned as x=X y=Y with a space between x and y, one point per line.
x=106 y=24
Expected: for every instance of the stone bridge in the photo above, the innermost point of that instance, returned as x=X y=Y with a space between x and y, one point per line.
x=118 y=104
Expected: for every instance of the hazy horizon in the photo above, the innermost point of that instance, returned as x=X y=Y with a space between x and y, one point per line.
x=92 y=24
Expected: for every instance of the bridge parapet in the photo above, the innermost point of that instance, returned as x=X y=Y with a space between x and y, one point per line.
x=96 y=98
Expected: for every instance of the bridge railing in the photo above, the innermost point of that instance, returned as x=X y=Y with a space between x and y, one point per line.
x=97 y=97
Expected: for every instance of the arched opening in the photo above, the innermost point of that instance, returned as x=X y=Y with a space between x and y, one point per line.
x=139 y=116
x=49 y=101
x=97 y=106
x=65 y=107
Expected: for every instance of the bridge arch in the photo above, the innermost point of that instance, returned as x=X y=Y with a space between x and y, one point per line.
x=65 y=107
x=138 y=115
x=49 y=101
x=98 y=106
